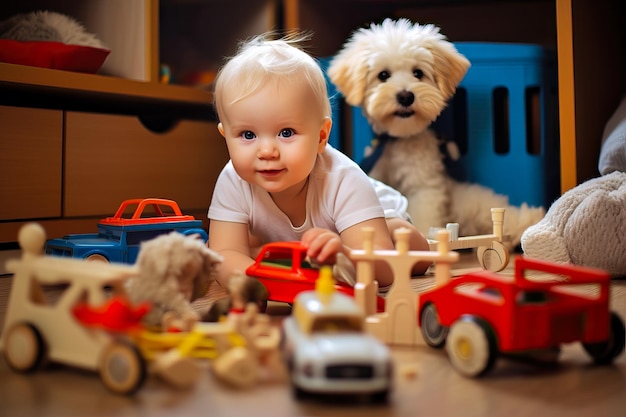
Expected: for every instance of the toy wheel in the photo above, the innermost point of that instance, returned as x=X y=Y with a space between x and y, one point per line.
x=24 y=348
x=494 y=258
x=298 y=393
x=96 y=257
x=471 y=348
x=122 y=368
x=381 y=397
x=433 y=332
x=604 y=352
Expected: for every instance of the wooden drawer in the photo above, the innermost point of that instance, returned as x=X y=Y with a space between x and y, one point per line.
x=110 y=158
x=30 y=162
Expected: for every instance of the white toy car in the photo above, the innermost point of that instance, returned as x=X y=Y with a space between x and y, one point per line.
x=327 y=350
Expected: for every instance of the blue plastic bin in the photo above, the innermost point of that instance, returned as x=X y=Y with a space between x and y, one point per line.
x=510 y=141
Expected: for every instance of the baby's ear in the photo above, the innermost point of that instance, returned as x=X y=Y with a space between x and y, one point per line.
x=220 y=127
x=324 y=133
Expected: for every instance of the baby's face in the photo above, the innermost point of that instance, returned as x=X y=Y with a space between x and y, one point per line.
x=275 y=135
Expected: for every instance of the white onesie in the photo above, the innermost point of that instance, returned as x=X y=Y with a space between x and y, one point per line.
x=339 y=196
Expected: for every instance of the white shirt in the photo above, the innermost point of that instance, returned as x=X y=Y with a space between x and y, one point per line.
x=339 y=196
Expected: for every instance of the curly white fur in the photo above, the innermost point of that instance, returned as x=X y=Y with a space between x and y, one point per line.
x=48 y=26
x=402 y=74
x=173 y=271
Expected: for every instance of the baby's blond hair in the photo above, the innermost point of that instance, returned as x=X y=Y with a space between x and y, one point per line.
x=262 y=59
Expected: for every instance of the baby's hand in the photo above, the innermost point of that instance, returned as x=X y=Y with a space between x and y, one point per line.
x=323 y=245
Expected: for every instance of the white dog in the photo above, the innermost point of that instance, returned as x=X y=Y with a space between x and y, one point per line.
x=402 y=74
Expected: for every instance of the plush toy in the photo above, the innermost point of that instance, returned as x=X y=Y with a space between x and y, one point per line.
x=174 y=270
x=47 y=26
x=587 y=225
x=402 y=74
x=50 y=40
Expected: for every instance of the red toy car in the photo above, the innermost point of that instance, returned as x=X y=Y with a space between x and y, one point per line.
x=283 y=269
x=481 y=314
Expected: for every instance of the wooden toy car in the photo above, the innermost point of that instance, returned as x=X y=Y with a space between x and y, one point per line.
x=283 y=269
x=482 y=314
x=118 y=238
x=77 y=313
x=327 y=349
x=37 y=328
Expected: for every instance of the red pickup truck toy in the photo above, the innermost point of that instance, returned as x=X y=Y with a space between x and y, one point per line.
x=481 y=314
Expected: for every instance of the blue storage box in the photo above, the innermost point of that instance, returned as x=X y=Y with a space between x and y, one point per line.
x=510 y=140
x=355 y=135
x=504 y=119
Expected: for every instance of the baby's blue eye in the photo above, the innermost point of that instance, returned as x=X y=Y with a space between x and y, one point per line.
x=248 y=134
x=286 y=133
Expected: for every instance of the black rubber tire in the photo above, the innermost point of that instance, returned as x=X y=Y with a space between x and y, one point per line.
x=433 y=332
x=603 y=353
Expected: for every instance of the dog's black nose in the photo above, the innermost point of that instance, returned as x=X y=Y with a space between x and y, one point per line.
x=405 y=98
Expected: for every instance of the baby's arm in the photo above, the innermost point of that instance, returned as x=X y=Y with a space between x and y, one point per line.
x=230 y=240
x=417 y=241
x=324 y=245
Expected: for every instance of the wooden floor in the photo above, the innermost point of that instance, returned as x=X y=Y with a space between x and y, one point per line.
x=425 y=385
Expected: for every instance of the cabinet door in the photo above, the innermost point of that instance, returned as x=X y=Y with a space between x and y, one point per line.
x=110 y=158
x=30 y=163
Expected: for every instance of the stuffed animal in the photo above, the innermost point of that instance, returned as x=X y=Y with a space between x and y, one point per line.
x=402 y=74
x=174 y=270
x=587 y=224
x=47 y=26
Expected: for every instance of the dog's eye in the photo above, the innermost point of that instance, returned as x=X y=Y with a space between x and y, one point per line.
x=418 y=73
x=384 y=75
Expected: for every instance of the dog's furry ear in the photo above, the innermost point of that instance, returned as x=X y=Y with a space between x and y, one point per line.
x=450 y=66
x=348 y=69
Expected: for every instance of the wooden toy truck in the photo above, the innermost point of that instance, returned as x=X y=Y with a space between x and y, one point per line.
x=482 y=314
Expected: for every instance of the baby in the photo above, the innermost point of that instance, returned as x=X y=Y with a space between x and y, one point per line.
x=284 y=182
